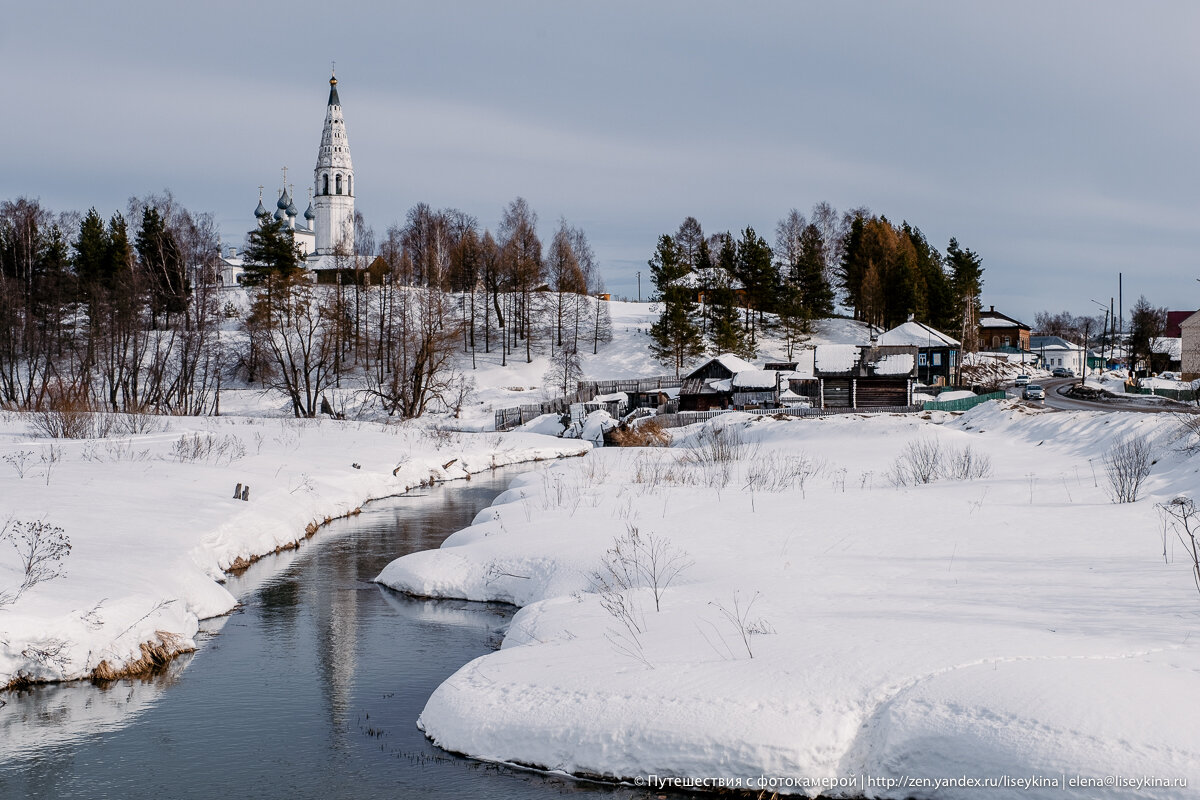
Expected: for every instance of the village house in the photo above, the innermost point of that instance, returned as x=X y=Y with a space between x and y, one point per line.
x=1055 y=351
x=710 y=385
x=937 y=353
x=858 y=376
x=1189 y=350
x=1001 y=333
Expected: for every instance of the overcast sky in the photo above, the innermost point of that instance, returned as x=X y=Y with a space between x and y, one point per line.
x=1058 y=140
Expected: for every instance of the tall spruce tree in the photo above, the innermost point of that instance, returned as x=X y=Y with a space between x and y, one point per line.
x=815 y=293
x=163 y=263
x=854 y=265
x=726 y=331
x=966 y=279
x=270 y=252
x=675 y=338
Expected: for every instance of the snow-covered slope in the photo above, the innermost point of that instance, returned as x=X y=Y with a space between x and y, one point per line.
x=153 y=524
x=831 y=629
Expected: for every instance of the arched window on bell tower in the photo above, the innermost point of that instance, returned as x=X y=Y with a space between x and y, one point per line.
x=325 y=186
x=339 y=183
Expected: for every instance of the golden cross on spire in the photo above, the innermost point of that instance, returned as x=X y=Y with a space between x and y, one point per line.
x=285 y=177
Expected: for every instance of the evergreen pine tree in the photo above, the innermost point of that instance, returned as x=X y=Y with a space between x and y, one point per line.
x=270 y=252
x=966 y=278
x=854 y=266
x=91 y=253
x=163 y=263
x=675 y=338
x=814 y=291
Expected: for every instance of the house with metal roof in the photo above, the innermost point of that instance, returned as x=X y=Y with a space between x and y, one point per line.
x=937 y=353
x=1000 y=332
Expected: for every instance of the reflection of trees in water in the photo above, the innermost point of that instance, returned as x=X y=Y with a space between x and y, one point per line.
x=52 y=715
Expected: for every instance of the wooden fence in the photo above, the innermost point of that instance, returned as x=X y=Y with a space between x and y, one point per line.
x=963 y=403
x=681 y=418
x=1182 y=395
x=509 y=418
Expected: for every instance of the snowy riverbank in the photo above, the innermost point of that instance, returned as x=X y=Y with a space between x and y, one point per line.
x=826 y=625
x=153 y=525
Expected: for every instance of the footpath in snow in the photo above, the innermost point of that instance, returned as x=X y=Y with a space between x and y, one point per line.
x=153 y=525
x=786 y=605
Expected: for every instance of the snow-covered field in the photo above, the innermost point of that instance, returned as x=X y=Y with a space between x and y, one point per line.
x=829 y=630
x=823 y=623
x=152 y=522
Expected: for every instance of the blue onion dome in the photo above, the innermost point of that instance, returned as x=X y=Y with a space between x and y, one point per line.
x=310 y=214
x=279 y=213
x=291 y=209
x=283 y=201
x=261 y=212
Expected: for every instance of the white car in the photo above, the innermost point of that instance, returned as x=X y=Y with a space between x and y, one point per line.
x=1022 y=380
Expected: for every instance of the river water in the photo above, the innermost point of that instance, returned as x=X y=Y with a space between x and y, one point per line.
x=311 y=689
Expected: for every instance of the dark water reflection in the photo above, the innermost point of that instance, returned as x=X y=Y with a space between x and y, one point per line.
x=310 y=690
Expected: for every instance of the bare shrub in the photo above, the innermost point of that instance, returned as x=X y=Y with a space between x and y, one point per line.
x=41 y=550
x=926 y=460
x=1181 y=516
x=19 y=461
x=644 y=434
x=50 y=456
x=64 y=417
x=138 y=422
x=738 y=616
x=208 y=448
x=634 y=561
x=1127 y=464
x=1189 y=432
x=775 y=472
x=919 y=462
x=715 y=445
x=968 y=464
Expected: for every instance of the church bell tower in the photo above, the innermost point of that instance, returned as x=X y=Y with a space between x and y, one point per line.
x=333 y=190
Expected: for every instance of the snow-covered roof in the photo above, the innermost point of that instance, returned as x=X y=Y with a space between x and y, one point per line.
x=756 y=379
x=734 y=364
x=721 y=385
x=837 y=357
x=894 y=364
x=1051 y=343
x=997 y=322
x=1169 y=346
x=916 y=334
x=707 y=278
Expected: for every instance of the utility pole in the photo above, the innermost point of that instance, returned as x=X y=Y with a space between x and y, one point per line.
x=639 y=279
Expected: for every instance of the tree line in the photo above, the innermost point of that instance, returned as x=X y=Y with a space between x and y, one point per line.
x=120 y=313
x=105 y=314
x=722 y=293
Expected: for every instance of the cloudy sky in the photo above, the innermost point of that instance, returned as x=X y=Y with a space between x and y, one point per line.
x=1057 y=139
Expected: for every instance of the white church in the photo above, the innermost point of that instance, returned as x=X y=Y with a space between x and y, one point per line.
x=329 y=219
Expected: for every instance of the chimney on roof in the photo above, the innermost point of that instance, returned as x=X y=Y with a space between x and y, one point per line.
x=991 y=309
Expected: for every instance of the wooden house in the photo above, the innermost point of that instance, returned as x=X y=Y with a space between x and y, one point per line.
x=937 y=353
x=1002 y=333
x=369 y=272
x=710 y=385
x=854 y=376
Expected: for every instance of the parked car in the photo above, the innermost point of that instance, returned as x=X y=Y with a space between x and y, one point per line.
x=1022 y=380
x=1034 y=392
x=1062 y=372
